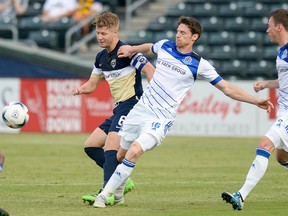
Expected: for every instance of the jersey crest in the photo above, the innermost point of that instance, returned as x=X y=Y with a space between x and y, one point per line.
x=187 y=60
x=113 y=63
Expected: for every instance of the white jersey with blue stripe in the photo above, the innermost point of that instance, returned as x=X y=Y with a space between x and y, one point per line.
x=174 y=75
x=282 y=68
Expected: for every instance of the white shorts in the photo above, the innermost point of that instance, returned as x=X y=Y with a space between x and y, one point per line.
x=278 y=133
x=140 y=124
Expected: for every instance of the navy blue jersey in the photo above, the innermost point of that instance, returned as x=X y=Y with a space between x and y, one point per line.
x=122 y=74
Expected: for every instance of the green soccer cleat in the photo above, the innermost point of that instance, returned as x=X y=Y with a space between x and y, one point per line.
x=129 y=186
x=91 y=199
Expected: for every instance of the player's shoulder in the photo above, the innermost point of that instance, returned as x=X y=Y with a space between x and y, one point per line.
x=166 y=42
x=101 y=55
x=196 y=56
x=121 y=43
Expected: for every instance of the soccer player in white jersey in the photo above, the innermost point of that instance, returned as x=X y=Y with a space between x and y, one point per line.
x=277 y=135
x=124 y=78
x=2 y=159
x=177 y=68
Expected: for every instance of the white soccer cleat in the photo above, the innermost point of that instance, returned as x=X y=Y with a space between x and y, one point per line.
x=100 y=201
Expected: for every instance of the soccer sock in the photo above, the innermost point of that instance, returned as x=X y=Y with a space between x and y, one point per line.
x=256 y=172
x=96 y=154
x=122 y=172
x=1 y=167
x=110 y=164
x=285 y=164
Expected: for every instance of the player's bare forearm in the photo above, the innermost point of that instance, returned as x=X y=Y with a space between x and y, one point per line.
x=239 y=94
x=143 y=48
x=258 y=86
x=128 y=51
x=149 y=70
x=87 y=88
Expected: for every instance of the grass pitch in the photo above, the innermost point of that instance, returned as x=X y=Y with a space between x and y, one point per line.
x=46 y=174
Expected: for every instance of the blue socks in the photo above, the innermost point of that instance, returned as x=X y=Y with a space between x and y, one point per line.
x=96 y=154
x=110 y=164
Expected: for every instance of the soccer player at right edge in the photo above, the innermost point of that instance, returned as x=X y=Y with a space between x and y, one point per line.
x=177 y=68
x=277 y=135
x=2 y=159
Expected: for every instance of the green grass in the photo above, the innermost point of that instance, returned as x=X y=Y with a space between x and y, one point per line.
x=46 y=174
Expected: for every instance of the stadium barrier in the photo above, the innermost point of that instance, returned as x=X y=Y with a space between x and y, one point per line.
x=205 y=111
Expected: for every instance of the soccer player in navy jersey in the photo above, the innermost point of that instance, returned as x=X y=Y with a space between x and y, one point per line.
x=124 y=78
x=177 y=68
x=277 y=136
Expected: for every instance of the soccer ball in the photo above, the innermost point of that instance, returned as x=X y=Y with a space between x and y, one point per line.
x=15 y=114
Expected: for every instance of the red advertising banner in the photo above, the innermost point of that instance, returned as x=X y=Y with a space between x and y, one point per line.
x=53 y=108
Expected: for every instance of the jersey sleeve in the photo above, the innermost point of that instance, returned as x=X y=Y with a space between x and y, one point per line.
x=207 y=72
x=156 y=46
x=97 y=71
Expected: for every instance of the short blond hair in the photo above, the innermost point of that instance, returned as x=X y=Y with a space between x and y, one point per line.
x=108 y=20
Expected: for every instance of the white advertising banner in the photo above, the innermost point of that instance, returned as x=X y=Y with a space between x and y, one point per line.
x=206 y=111
x=9 y=91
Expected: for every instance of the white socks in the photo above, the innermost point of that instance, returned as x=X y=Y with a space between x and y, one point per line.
x=119 y=177
x=256 y=172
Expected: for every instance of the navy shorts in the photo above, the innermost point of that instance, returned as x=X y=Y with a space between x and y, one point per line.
x=114 y=123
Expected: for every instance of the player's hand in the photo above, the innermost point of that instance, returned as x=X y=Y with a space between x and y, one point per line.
x=258 y=86
x=125 y=51
x=265 y=104
x=77 y=91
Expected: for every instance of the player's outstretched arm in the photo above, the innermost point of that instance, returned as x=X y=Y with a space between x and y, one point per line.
x=127 y=50
x=88 y=87
x=239 y=94
x=258 y=86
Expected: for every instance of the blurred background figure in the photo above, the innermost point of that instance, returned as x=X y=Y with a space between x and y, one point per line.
x=54 y=10
x=85 y=9
x=9 y=9
x=2 y=159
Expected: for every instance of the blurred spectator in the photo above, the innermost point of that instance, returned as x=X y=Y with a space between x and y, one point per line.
x=54 y=10
x=9 y=9
x=87 y=8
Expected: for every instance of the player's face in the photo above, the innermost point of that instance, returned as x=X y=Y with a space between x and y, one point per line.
x=272 y=30
x=106 y=37
x=184 y=37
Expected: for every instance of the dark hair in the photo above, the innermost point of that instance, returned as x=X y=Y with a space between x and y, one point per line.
x=280 y=16
x=193 y=24
x=106 y=19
